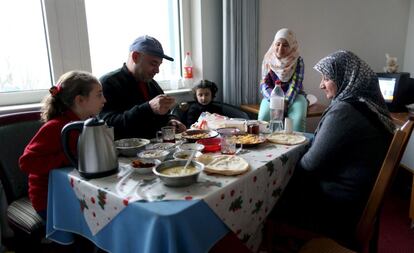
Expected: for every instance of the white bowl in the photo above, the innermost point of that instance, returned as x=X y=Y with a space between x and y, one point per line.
x=130 y=147
x=185 y=154
x=178 y=181
x=192 y=146
x=144 y=165
x=154 y=154
x=161 y=145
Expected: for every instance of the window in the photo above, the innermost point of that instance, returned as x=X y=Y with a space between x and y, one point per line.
x=90 y=35
x=24 y=60
x=113 y=26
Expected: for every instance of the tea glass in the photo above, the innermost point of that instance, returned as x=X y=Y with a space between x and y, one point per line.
x=168 y=133
x=228 y=145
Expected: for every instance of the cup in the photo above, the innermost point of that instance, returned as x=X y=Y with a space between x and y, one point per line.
x=288 y=125
x=158 y=136
x=253 y=128
x=168 y=134
x=228 y=146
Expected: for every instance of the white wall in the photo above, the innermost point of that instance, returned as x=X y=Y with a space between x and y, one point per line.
x=207 y=37
x=409 y=45
x=369 y=28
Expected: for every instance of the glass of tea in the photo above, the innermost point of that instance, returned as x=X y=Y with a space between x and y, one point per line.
x=168 y=134
x=228 y=145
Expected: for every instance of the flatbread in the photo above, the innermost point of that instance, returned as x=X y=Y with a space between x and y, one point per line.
x=286 y=139
x=228 y=165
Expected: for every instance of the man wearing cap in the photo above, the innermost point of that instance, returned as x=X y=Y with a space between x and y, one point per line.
x=136 y=106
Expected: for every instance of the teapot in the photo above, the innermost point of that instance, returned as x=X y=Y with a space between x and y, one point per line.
x=97 y=155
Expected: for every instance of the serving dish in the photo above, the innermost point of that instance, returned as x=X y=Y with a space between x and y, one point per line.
x=211 y=144
x=193 y=135
x=228 y=131
x=185 y=154
x=162 y=145
x=130 y=146
x=248 y=140
x=286 y=139
x=192 y=146
x=179 y=180
x=154 y=154
x=144 y=165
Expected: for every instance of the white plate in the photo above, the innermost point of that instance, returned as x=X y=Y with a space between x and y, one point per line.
x=312 y=99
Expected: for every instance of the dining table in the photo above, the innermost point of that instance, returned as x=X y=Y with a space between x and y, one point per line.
x=131 y=212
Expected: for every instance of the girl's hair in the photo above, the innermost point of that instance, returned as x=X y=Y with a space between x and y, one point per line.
x=205 y=84
x=62 y=96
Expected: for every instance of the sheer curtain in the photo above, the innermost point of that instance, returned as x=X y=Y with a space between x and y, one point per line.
x=240 y=50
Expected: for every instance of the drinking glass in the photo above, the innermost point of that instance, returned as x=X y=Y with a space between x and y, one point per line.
x=228 y=145
x=168 y=134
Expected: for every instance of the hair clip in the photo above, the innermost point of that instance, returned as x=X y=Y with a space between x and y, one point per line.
x=54 y=90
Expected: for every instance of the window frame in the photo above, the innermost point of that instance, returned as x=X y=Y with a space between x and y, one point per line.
x=68 y=44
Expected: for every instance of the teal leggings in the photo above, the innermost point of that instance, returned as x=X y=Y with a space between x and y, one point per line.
x=297 y=112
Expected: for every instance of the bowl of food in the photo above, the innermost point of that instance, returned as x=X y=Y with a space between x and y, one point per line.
x=154 y=154
x=161 y=145
x=228 y=131
x=185 y=154
x=131 y=146
x=144 y=165
x=172 y=173
x=192 y=146
x=193 y=135
x=211 y=145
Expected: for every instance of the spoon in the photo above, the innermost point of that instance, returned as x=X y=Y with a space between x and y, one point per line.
x=189 y=159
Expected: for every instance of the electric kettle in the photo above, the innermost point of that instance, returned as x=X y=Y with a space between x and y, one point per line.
x=96 y=150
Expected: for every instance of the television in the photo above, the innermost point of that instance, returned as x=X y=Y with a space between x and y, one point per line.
x=397 y=90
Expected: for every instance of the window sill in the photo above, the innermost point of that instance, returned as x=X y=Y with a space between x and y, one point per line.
x=19 y=108
x=36 y=106
x=176 y=92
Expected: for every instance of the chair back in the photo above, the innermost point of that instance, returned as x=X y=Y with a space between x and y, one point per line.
x=16 y=130
x=367 y=223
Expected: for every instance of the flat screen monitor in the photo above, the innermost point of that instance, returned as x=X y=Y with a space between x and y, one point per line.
x=396 y=90
x=387 y=86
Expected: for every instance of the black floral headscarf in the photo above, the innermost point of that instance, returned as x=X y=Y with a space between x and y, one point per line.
x=356 y=81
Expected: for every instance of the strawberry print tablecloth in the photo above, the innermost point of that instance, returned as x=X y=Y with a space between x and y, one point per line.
x=242 y=202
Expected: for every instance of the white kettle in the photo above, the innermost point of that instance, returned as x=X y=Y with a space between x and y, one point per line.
x=96 y=150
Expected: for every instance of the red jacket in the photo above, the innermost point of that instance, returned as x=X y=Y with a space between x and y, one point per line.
x=44 y=153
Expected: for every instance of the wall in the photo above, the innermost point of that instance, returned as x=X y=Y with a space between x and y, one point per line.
x=207 y=37
x=369 y=28
x=409 y=45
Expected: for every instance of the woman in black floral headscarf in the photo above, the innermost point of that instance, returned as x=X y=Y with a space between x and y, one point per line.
x=334 y=177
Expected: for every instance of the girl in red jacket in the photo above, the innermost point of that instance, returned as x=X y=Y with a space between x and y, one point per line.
x=77 y=96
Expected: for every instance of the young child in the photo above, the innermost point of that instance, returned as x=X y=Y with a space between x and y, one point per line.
x=77 y=96
x=204 y=93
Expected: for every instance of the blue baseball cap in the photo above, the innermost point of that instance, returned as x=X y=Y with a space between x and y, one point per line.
x=149 y=45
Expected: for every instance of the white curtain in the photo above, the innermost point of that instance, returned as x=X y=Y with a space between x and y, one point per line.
x=240 y=50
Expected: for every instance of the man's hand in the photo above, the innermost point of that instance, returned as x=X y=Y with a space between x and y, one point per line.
x=179 y=127
x=161 y=104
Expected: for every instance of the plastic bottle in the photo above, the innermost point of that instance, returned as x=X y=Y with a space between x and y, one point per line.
x=188 y=70
x=277 y=104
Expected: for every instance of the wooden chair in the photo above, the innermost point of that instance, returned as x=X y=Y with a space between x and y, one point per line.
x=366 y=236
x=16 y=130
